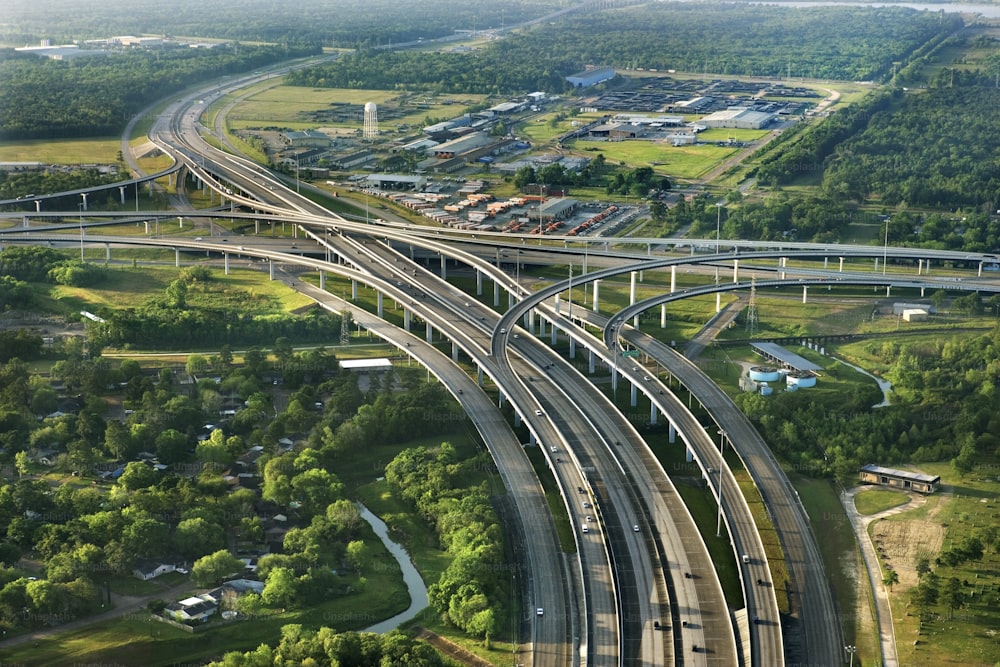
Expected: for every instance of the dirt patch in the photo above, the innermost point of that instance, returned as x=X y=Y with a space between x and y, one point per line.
x=900 y=543
x=451 y=649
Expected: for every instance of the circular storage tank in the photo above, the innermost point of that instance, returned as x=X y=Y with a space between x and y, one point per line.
x=801 y=380
x=764 y=374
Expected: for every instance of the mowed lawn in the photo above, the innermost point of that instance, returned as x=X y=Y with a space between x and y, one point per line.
x=103 y=150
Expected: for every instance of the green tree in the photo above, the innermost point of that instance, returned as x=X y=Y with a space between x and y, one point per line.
x=213 y=568
x=954 y=597
x=281 y=587
x=891 y=578
x=21 y=462
x=198 y=537
x=138 y=475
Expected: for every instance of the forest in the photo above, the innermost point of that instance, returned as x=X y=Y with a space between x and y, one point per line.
x=343 y=24
x=944 y=408
x=97 y=96
x=821 y=42
x=938 y=149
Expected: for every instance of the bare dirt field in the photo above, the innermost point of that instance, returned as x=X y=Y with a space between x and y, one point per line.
x=900 y=543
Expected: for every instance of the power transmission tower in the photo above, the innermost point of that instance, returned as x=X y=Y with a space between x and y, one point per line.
x=345 y=327
x=752 y=323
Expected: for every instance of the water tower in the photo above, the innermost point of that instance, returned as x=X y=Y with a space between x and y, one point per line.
x=371 y=121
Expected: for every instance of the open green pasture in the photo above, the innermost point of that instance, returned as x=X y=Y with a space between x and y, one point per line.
x=103 y=150
x=669 y=160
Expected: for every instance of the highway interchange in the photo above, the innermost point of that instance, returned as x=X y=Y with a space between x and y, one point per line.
x=641 y=588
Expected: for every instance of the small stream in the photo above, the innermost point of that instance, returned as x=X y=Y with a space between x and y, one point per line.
x=884 y=385
x=414 y=582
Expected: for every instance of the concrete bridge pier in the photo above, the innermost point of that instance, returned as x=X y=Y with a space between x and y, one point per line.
x=454 y=352
x=225 y=259
x=444 y=267
x=597 y=288
x=633 y=395
x=380 y=304
x=479 y=282
x=177 y=259
x=429 y=333
x=652 y=413
x=406 y=318
x=496 y=294
x=672 y=434
x=590 y=362
x=663 y=316
x=354 y=289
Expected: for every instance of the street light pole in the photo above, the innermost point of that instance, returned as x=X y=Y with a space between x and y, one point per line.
x=81 y=231
x=722 y=447
x=852 y=650
x=718 y=232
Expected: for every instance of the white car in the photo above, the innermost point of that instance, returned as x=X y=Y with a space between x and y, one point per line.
x=538 y=413
x=635 y=528
x=539 y=612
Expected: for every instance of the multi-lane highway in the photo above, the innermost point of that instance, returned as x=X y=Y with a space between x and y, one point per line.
x=641 y=588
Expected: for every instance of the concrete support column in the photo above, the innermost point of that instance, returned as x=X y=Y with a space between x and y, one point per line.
x=479 y=282
x=663 y=316
x=381 y=306
x=558 y=305
x=888 y=288
x=496 y=294
x=177 y=258
x=84 y=195
x=454 y=352
x=783 y=263
x=517 y=419
x=270 y=269
x=500 y=400
x=673 y=279
x=225 y=258
x=541 y=325
x=121 y=191
x=614 y=379
x=920 y=266
x=180 y=222
x=107 y=253
x=38 y=206
x=826 y=263
x=688 y=454
x=597 y=297
x=876 y=265
x=322 y=279
x=429 y=335
x=479 y=376
x=572 y=348
x=672 y=434
x=406 y=318
x=736 y=270
x=444 y=267
x=631 y=289
x=652 y=413
x=635 y=322
x=510 y=300
x=529 y=321
x=552 y=334
x=718 y=302
x=841 y=269
x=590 y=362
x=354 y=289
x=980 y=273
x=805 y=293
x=927 y=267
x=633 y=395
x=922 y=291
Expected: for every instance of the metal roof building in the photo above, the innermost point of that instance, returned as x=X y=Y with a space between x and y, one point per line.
x=738 y=117
x=591 y=77
x=780 y=355
x=900 y=479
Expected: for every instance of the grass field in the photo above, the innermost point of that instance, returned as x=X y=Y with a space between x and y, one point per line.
x=103 y=150
x=874 y=501
x=675 y=161
x=964 y=507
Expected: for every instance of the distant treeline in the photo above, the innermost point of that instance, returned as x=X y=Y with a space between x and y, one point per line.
x=844 y=43
x=95 y=96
